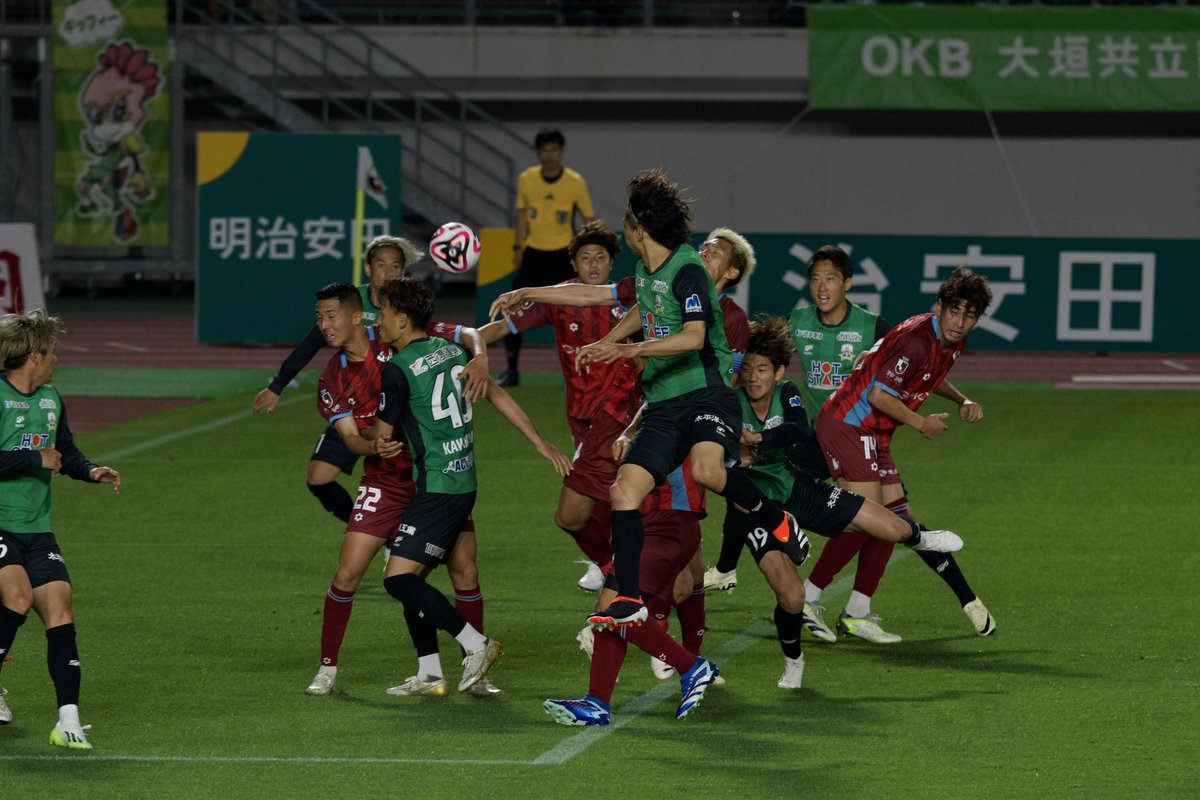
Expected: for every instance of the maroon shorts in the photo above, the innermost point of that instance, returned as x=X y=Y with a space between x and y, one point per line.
x=852 y=454
x=380 y=502
x=593 y=469
x=671 y=539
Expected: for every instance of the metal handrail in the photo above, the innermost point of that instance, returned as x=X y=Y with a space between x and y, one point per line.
x=475 y=180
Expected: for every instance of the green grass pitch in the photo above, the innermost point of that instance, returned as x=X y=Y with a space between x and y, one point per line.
x=198 y=592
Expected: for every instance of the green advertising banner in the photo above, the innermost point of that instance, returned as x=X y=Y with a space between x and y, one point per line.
x=1095 y=295
x=111 y=123
x=276 y=220
x=1100 y=58
x=1048 y=294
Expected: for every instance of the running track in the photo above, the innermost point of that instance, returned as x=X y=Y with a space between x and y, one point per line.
x=170 y=342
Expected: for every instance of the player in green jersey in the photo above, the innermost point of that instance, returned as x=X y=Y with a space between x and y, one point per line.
x=423 y=399
x=386 y=257
x=35 y=443
x=774 y=427
x=691 y=411
x=829 y=336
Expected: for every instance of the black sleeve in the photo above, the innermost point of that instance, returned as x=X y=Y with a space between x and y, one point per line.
x=882 y=326
x=394 y=397
x=16 y=462
x=74 y=463
x=691 y=289
x=305 y=352
x=794 y=429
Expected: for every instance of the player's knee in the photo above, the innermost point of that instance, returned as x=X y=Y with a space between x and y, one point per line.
x=19 y=600
x=791 y=599
x=569 y=520
x=622 y=497
x=59 y=615
x=346 y=579
x=463 y=576
x=403 y=587
x=710 y=475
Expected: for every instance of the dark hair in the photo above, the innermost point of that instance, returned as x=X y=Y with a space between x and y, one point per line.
x=836 y=256
x=771 y=337
x=595 y=232
x=970 y=288
x=549 y=136
x=658 y=207
x=344 y=293
x=411 y=297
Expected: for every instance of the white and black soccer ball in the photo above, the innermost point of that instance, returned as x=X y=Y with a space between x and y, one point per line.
x=454 y=248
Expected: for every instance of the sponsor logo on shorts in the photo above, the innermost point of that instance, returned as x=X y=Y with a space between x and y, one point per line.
x=406 y=530
x=434 y=550
x=692 y=304
x=56 y=557
x=833 y=497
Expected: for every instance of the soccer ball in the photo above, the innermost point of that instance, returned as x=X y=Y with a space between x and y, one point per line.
x=454 y=248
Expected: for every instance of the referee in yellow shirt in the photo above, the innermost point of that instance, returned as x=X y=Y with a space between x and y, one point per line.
x=548 y=197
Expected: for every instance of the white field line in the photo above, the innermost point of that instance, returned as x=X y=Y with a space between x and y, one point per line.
x=1174 y=365
x=562 y=752
x=571 y=747
x=133 y=348
x=174 y=436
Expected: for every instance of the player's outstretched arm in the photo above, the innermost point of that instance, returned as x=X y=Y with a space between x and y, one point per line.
x=968 y=410
x=477 y=368
x=516 y=415
x=609 y=348
x=571 y=294
x=930 y=426
x=687 y=340
x=268 y=398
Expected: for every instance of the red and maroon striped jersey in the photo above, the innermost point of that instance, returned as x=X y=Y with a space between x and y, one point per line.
x=908 y=363
x=351 y=389
x=612 y=388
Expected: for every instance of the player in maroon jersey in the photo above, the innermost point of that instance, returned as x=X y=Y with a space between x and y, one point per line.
x=883 y=392
x=348 y=398
x=600 y=403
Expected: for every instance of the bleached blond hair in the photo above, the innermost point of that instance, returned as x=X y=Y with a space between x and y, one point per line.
x=743 y=251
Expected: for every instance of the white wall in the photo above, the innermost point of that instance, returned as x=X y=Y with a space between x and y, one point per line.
x=758 y=178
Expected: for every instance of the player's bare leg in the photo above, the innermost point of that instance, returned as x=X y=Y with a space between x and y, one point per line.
x=357 y=551
x=16 y=598
x=572 y=515
x=789 y=614
x=468 y=599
